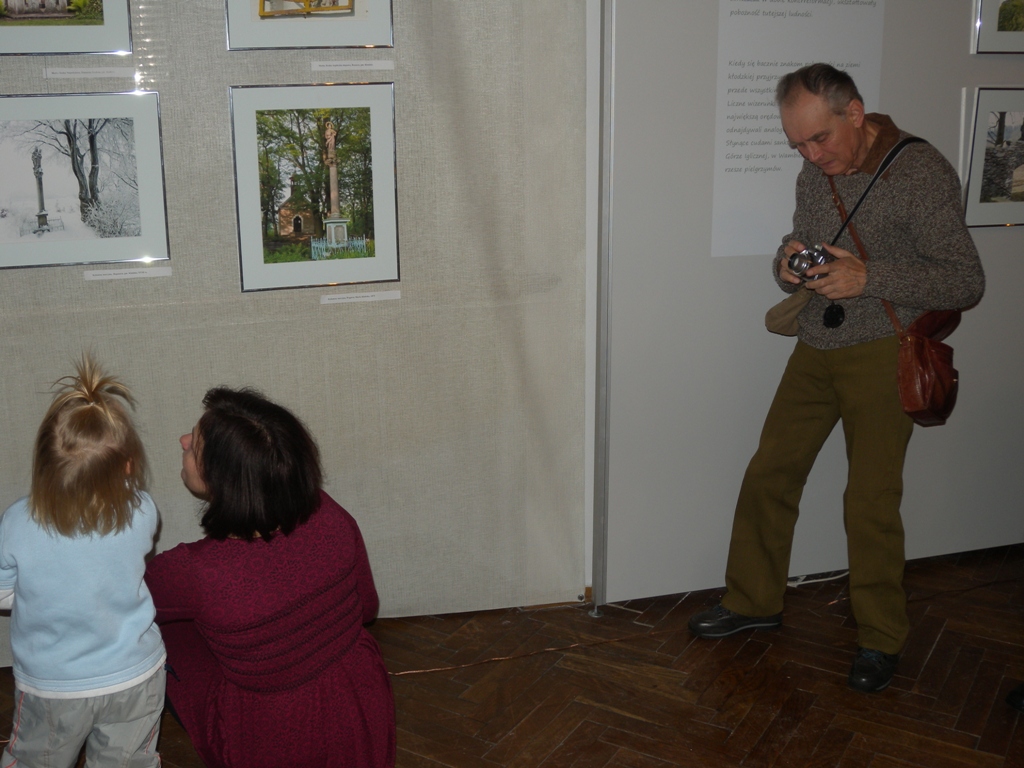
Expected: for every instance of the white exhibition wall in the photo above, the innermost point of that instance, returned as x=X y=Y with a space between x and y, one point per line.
x=692 y=369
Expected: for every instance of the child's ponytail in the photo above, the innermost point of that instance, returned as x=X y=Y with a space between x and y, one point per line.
x=89 y=466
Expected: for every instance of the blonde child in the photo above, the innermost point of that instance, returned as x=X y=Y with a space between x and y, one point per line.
x=88 y=659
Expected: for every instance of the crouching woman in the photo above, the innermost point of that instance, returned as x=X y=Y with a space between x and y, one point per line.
x=269 y=663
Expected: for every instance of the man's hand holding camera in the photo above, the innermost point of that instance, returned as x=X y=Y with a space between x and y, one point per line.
x=844 y=277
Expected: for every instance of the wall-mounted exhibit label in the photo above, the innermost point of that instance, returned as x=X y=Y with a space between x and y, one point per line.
x=348 y=298
x=758 y=42
x=336 y=66
x=126 y=274
x=57 y=73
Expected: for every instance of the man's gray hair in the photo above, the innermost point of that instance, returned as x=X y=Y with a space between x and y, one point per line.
x=835 y=86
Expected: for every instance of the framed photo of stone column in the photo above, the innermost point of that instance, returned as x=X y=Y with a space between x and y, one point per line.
x=309 y=24
x=82 y=180
x=999 y=26
x=995 y=182
x=65 y=26
x=315 y=184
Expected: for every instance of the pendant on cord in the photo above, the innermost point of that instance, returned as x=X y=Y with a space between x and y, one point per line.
x=834 y=316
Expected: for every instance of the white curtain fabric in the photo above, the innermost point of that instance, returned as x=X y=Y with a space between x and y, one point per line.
x=451 y=421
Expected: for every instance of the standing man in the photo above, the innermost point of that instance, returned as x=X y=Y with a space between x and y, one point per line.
x=921 y=257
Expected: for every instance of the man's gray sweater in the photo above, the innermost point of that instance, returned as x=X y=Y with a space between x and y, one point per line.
x=920 y=253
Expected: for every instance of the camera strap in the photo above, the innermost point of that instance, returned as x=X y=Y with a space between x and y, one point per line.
x=891 y=155
x=834 y=313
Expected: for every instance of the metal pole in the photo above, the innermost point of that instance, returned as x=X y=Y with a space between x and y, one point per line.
x=600 y=574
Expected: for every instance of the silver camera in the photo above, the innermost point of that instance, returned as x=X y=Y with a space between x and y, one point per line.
x=814 y=256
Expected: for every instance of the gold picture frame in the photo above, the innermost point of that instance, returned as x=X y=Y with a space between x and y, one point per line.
x=264 y=24
x=304 y=7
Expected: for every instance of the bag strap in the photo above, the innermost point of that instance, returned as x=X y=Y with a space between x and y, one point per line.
x=890 y=156
x=838 y=201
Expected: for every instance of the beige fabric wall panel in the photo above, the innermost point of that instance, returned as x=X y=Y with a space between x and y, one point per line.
x=451 y=421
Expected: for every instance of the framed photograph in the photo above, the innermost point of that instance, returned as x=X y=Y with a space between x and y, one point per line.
x=83 y=180
x=315 y=184
x=65 y=26
x=999 y=26
x=995 y=179
x=309 y=24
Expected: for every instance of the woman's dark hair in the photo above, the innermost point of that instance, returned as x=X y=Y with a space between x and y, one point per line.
x=260 y=465
x=834 y=85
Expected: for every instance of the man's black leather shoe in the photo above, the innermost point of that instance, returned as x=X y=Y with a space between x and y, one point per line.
x=872 y=670
x=721 y=622
x=1016 y=698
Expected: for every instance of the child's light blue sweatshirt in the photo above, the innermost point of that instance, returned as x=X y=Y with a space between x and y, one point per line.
x=82 y=618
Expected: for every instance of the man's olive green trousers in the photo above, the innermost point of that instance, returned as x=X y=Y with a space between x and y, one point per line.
x=857 y=386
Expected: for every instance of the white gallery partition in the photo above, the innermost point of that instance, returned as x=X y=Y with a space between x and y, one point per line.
x=691 y=369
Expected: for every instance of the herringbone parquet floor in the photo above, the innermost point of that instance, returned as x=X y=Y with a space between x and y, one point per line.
x=633 y=689
x=661 y=697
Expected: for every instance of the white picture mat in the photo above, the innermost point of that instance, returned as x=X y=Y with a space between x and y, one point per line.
x=246 y=101
x=143 y=108
x=753 y=209
x=979 y=214
x=988 y=38
x=369 y=26
x=113 y=36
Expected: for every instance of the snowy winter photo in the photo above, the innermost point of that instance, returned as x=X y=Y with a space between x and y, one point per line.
x=70 y=179
x=78 y=187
